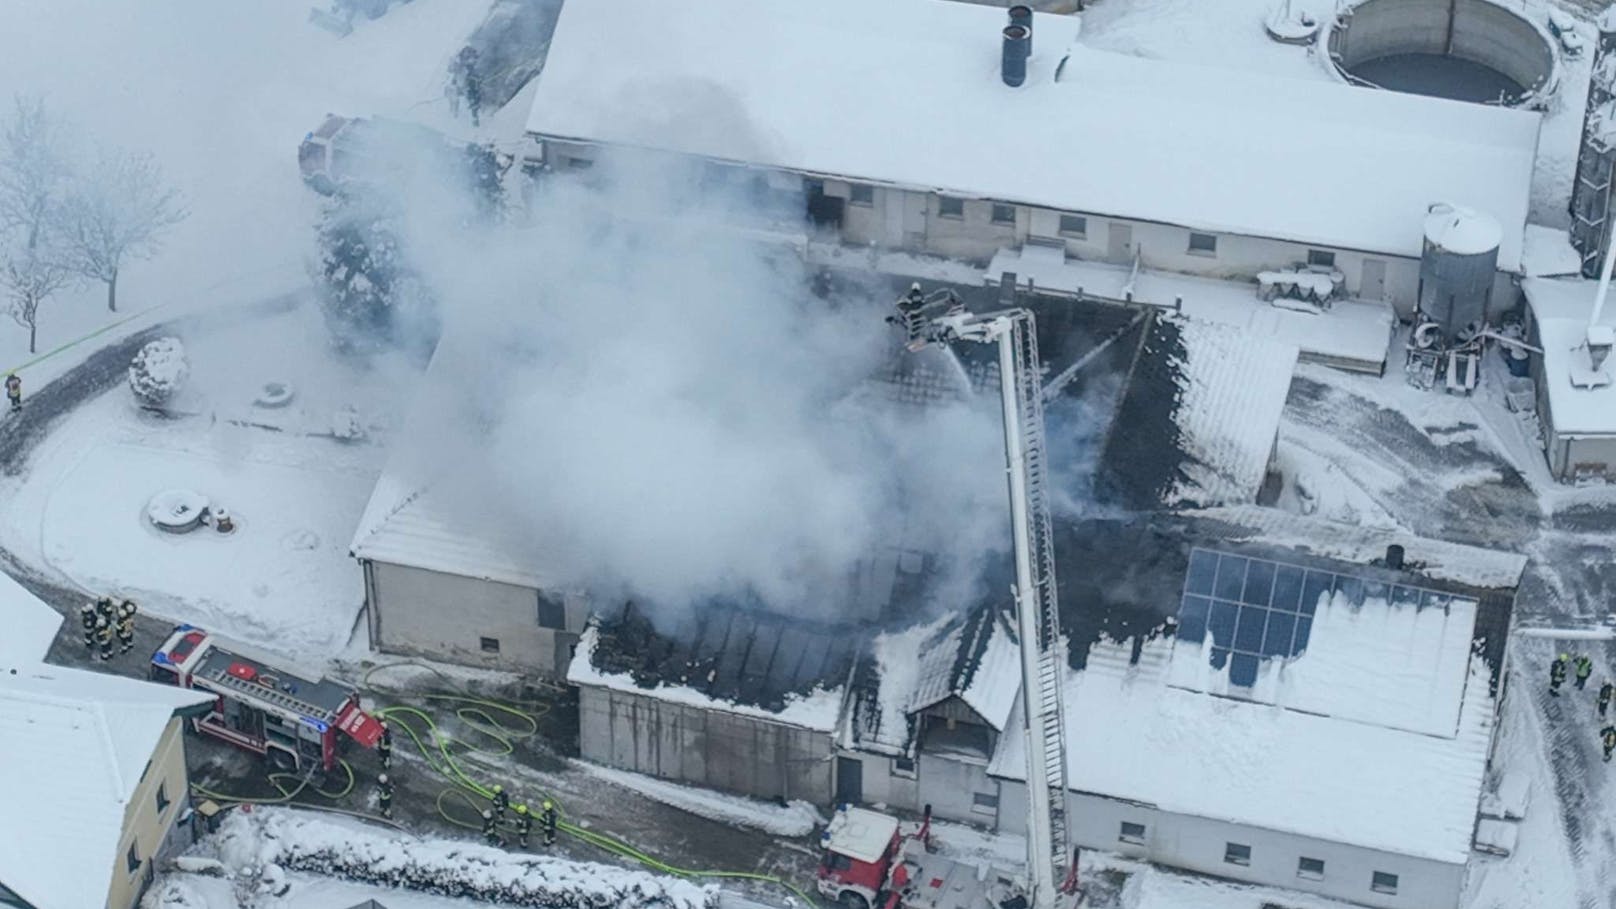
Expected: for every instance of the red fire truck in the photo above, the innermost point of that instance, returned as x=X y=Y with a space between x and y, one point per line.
x=292 y=719
x=869 y=863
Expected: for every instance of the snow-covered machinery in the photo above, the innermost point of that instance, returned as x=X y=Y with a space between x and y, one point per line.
x=910 y=876
x=292 y=719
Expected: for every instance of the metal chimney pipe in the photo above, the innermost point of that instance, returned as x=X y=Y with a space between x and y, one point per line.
x=1021 y=14
x=1394 y=557
x=1017 y=47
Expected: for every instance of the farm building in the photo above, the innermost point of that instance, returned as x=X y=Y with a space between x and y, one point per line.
x=1234 y=730
x=1087 y=163
x=1576 y=398
x=98 y=841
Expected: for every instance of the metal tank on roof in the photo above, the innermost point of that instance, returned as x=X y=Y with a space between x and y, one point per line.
x=1458 y=268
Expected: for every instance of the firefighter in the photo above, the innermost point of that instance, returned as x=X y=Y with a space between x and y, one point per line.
x=384 y=793
x=103 y=635
x=501 y=802
x=126 y=628
x=1557 y=674
x=489 y=835
x=105 y=610
x=1608 y=737
x=384 y=747
x=87 y=621
x=548 y=818
x=1585 y=668
x=14 y=391
x=1605 y=692
x=524 y=825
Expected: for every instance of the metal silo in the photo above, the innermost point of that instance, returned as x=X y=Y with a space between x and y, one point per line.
x=1458 y=268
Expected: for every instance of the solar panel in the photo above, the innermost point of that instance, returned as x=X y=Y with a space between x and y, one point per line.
x=1257 y=609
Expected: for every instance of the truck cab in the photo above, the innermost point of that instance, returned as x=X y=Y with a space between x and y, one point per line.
x=860 y=846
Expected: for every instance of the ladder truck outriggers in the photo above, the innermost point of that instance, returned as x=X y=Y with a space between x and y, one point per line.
x=869 y=863
x=295 y=719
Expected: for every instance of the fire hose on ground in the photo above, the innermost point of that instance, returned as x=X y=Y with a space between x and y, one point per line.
x=521 y=721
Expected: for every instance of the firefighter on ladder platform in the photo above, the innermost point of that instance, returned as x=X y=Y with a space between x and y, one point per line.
x=87 y=622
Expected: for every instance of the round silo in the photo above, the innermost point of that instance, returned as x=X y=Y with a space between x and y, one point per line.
x=1458 y=267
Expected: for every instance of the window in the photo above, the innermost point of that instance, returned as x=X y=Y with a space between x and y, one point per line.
x=490 y=645
x=1237 y=853
x=904 y=767
x=577 y=163
x=1132 y=833
x=985 y=802
x=835 y=861
x=1320 y=258
x=1310 y=868
x=1203 y=244
x=861 y=194
x=1004 y=214
x=1074 y=225
x=552 y=614
x=132 y=860
x=163 y=801
x=1383 y=883
x=950 y=207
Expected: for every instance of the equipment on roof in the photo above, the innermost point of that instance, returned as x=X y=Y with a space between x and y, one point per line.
x=291 y=720
x=865 y=855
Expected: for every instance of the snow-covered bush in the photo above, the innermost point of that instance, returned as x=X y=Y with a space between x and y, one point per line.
x=370 y=297
x=158 y=371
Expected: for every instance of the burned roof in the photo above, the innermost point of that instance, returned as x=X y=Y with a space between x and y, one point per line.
x=728 y=653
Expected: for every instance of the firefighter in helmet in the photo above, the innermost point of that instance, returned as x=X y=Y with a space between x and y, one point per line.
x=1585 y=668
x=126 y=627
x=87 y=622
x=1605 y=692
x=490 y=834
x=1557 y=673
x=384 y=746
x=103 y=635
x=524 y=825
x=501 y=802
x=104 y=609
x=548 y=818
x=1607 y=737
x=384 y=794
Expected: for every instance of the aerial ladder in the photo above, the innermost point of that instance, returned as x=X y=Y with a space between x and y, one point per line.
x=941 y=317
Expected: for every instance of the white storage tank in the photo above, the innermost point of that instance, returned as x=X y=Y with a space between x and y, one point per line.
x=1457 y=268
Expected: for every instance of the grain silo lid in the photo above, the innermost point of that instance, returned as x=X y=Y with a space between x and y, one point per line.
x=1462 y=230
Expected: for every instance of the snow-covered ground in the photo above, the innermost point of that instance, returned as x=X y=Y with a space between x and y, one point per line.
x=283 y=578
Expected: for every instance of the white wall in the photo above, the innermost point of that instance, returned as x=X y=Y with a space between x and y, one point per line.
x=1198 y=844
x=949 y=784
x=445 y=616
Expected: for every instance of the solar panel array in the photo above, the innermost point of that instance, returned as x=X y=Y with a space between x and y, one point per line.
x=1256 y=609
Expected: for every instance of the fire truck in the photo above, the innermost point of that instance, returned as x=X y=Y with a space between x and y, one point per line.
x=291 y=718
x=868 y=863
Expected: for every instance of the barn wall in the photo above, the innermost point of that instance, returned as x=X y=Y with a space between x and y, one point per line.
x=704 y=747
x=1198 y=844
x=445 y=617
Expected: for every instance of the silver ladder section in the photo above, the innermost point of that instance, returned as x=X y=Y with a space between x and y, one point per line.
x=272 y=695
x=1050 y=653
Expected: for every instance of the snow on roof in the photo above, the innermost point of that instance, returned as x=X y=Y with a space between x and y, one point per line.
x=860 y=834
x=818 y=709
x=1549 y=253
x=30 y=625
x=1455 y=563
x=868 y=91
x=1351 y=333
x=1279 y=769
x=405 y=524
x=1462 y=230
x=1561 y=308
x=79 y=746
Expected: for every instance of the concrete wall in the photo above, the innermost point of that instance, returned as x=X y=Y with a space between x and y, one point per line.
x=1198 y=844
x=705 y=747
x=147 y=827
x=949 y=784
x=445 y=617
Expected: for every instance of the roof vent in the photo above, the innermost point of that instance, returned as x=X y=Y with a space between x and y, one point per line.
x=1017 y=48
x=1021 y=14
x=1394 y=557
x=1600 y=340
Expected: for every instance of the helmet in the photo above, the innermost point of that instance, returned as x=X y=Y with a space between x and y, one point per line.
x=548 y=804
x=498 y=789
x=487 y=814
x=382 y=779
x=521 y=809
x=1564 y=656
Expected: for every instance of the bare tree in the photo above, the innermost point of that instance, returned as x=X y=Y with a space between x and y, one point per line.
x=30 y=278
x=118 y=213
x=34 y=171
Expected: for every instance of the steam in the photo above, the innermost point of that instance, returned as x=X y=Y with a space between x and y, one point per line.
x=663 y=411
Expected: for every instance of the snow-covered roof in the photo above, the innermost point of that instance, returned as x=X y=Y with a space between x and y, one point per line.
x=860 y=834
x=873 y=91
x=80 y=745
x=30 y=625
x=1561 y=308
x=406 y=524
x=816 y=708
x=1549 y=253
x=971 y=656
x=1226 y=758
x=1438 y=560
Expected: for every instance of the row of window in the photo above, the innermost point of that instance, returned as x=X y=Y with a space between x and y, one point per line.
x=1077 y=226
x=132 y=859
x=1311 y=869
